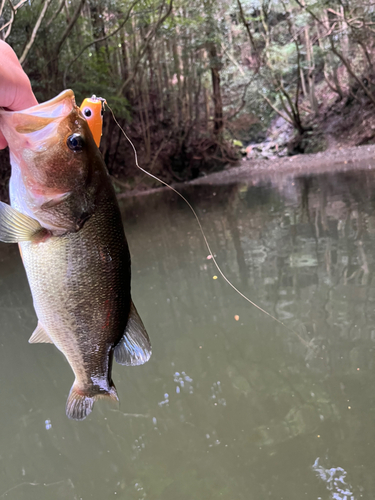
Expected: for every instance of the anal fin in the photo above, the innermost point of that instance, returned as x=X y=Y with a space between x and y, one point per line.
x=40 y=336
x=134 y=347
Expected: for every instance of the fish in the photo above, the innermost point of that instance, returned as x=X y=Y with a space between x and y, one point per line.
x=92 y=109
x=65 y=217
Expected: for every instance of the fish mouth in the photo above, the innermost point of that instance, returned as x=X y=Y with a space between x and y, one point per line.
x=35 y=128
x=62 y=104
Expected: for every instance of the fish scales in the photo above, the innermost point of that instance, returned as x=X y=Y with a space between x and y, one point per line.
x=81 y=286
x=65 y=217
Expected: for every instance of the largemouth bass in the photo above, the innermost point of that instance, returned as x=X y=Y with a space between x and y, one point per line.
x=65 y=217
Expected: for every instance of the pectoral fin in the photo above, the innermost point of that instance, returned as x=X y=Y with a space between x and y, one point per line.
x=134 y=348
x=16 y=227
x=40 y=336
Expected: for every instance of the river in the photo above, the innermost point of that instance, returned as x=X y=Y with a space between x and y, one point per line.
x=232 y=405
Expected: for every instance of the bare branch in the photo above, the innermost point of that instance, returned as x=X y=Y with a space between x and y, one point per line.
x=251 y=38
x=232 y=59
x=351 y=72
x=13 y=12
x=2 y=6
x=35 y=31
x=286 y=118
x=243 y=101
x=143 y=49
x=9 y=23
x=334 y=12
x=98 y=40
x=20 y=3
x=12 y=6
x=57 y=12
x=301 y=4
x=69 y=27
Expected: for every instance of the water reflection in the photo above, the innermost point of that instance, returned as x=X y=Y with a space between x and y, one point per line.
x=336 y=482
x=231 y=405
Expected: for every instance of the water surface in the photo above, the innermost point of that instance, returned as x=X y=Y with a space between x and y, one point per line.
x=231 y=405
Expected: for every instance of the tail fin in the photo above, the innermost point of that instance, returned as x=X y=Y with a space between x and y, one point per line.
x=80 y=403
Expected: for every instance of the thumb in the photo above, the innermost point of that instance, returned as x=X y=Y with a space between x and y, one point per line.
x=3 y=142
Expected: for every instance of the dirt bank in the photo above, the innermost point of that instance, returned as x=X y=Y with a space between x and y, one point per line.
x=256 y=171
x=342 y=159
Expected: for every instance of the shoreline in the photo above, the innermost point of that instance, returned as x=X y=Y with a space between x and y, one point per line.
x=260 y=170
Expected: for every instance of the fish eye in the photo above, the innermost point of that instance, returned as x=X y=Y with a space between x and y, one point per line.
x=87 y=112
x=75 y=142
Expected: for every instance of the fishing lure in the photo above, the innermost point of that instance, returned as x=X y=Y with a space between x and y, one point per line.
x=92 y=109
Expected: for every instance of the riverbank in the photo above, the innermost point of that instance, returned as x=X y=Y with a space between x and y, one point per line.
x=259 y=170
x=263 y=170
x=342 y=159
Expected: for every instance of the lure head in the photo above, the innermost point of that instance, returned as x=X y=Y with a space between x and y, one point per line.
x=92 y=110
x=54 y=162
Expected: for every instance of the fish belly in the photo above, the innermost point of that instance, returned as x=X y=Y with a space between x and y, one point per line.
x=80 y=284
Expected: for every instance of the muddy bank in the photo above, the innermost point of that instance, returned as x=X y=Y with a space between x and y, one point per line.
x=256 y=171
x=342 y=159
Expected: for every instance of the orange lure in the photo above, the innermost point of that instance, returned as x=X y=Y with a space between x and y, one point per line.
x=92 y=110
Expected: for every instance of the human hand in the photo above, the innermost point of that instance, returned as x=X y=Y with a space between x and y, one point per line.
x=15 y=87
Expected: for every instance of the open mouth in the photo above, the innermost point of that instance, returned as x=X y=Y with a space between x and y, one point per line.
x=60 y=105
x=38 y=124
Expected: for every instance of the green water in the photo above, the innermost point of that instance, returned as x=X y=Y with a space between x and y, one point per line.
x=225 y=409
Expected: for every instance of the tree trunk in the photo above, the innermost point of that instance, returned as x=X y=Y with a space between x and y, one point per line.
x=303 y=83
x=96 y=12
x=176 y=77
x=311 y=71
x=215 y=66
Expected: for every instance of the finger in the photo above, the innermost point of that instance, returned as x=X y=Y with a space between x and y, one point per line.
x=3 y=142
x=24 y=98
x=16 y=92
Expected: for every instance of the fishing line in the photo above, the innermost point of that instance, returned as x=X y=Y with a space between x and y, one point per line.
x=201 y=230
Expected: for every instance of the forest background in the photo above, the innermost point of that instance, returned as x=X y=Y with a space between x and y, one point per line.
x=198 y=83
